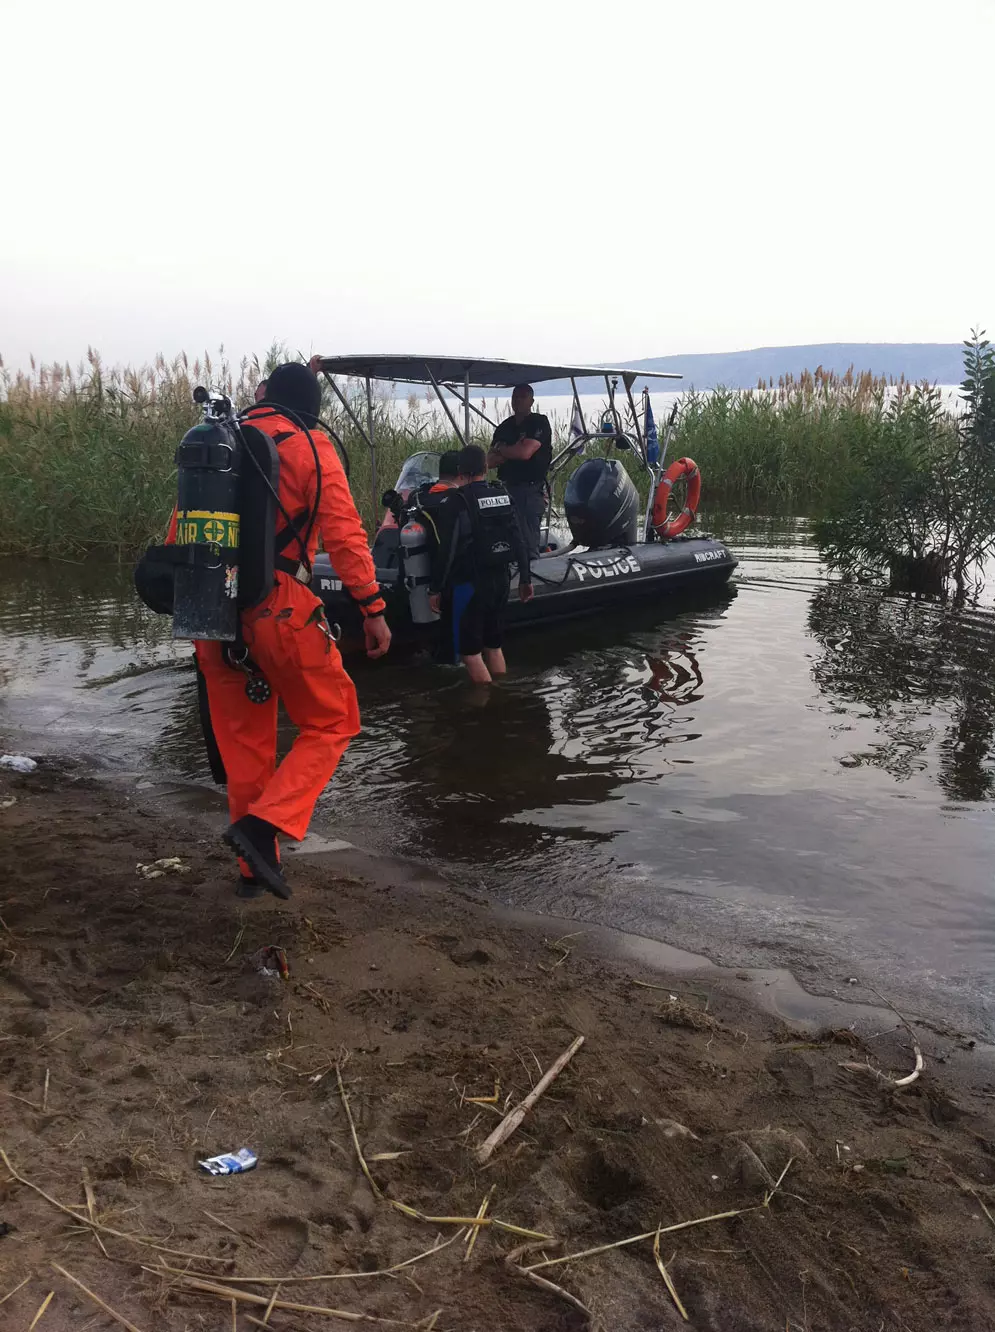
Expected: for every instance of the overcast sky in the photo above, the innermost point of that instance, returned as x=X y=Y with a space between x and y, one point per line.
x=542 y=180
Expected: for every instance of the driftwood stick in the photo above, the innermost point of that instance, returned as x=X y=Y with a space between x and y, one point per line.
x=868 y=1067
x=347 y=1315
x=91 y=1207
x=474 y=1231
x=780 y=1181
x=635 y=1239
x=667 y=1279
x=303 y=1280
x=355 y=1136
x=514 y=1117
x=111 y=1313
x=269 y=1307
x=41 y=1311
x=98 y=1225
x=545 y=1284
x=89 y=1195
x=16 y=1289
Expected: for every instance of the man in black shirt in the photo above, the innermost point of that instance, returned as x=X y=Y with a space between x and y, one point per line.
x=479 y=539
x=522 y=451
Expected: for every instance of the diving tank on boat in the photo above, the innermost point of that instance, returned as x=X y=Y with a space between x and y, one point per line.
x=416 y=558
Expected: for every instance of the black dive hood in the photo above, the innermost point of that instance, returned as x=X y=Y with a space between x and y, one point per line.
x=293 y=385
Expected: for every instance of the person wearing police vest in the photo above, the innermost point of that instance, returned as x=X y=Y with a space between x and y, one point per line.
x=289 y=643
x=480 y=538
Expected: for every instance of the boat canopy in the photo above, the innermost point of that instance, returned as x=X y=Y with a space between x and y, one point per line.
x=474 y=372
x=457 y=376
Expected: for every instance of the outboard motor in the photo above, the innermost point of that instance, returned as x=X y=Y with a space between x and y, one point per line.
x=417 y=563
x=602 y=504
x=208 y=464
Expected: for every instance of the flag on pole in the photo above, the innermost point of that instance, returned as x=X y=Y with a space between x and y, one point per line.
x=649 y=425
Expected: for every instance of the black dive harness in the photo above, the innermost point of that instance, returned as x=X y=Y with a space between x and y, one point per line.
x=299 y=528
x=228 y=489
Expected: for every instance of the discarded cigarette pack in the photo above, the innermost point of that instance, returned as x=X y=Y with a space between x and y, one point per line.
x=231 y=1163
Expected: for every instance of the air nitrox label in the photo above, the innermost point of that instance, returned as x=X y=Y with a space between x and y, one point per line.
x=199 y=527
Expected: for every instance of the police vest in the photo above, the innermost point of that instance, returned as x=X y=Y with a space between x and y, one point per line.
x=492 y=524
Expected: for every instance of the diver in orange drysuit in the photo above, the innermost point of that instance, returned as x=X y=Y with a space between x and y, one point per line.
x=288 y=639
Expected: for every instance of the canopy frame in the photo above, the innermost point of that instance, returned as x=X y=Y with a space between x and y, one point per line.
x=481 y=373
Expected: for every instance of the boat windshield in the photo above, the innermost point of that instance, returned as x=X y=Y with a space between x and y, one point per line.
x=417 y=470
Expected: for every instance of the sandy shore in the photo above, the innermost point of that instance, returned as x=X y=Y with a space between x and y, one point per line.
x=138 y=1037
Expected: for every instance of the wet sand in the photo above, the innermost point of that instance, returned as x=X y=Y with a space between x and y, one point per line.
x=138 y=1036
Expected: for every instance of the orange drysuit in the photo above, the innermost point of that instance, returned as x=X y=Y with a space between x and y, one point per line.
x=288 y=639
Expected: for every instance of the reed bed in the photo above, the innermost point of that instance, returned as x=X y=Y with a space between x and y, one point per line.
x=785 y=445
x=86 y=455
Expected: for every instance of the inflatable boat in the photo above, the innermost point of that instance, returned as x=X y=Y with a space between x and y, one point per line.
x=613 y=553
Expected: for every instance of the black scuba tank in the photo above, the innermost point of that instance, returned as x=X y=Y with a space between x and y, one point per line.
x=225 y=553
x=205 y=587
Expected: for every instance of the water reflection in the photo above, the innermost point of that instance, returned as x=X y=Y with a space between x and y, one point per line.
x=458 y=776
x=922 y=671
x=90 y=605
x=676 y=675
x=617 y=710
x=83 y=665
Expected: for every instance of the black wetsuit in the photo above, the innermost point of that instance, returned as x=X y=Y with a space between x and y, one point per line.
x=465 y=568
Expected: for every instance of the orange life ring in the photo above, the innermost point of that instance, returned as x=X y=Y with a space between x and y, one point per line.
x=665 y=527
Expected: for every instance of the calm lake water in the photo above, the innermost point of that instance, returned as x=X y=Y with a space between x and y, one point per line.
x=795 y=773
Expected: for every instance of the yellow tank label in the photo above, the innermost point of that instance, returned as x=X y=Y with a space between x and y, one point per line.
x=200 y=527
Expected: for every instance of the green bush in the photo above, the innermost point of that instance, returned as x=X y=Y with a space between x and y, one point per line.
x=917 y=501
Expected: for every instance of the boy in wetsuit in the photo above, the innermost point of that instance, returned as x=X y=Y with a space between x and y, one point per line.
x=480 y=537
x=448 y=472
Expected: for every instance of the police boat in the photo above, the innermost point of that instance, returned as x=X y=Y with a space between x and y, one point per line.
x=618 y=552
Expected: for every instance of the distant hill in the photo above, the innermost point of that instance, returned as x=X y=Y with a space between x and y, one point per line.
x=939 y=362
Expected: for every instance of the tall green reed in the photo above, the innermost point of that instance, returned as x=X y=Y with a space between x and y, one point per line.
x=784 y=445
x=86 y=455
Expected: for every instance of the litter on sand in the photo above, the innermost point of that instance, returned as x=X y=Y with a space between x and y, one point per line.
x=158 y=869
x=17 y=762
x=230 y=1163
x=272 y=961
